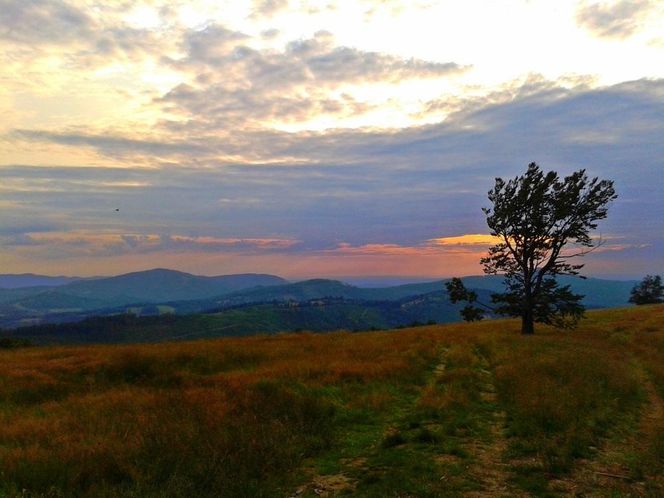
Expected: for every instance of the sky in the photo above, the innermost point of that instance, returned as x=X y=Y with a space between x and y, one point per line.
x=317 y=138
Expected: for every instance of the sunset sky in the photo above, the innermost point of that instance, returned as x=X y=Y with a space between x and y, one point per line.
x=317 y=138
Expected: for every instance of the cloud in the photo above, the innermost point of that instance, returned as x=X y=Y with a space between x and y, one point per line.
x=114 y=44
x=113 y=145
x=326 y=63
x=95 y=243
x=378 y=191
x=16 y=229
x=268 y=8
x=234 y=84
x=42 y=21
x=44 y=180
x=605 y=126
x=474 y=239
x=213 y=243
x=212 y=44
x=382 y=250
x=74 y=36
x=319 y=59
x=618 y=19
x=217 y=107
x=471 y=243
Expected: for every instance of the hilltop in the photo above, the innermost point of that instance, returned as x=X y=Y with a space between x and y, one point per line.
x=84 y=297
x=443 y=410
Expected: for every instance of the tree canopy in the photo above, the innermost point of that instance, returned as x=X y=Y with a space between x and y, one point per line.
x=648 y=291
x=541 y=222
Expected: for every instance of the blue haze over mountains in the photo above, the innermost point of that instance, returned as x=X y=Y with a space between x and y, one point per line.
x=245 y=302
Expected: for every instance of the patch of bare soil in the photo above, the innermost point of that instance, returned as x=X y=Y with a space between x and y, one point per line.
x=326 y=486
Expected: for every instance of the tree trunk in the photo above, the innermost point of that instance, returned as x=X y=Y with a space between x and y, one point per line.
x=527 y=322
x=527 y=317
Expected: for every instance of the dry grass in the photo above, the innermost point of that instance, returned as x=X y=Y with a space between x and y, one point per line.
x=203 y=418
x=239 y=417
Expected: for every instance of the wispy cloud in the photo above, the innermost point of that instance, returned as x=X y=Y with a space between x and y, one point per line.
x=617 y=19
x=382 y=250
x=237 y=243
x=473 y=239
x=100 y=243
x=471 y=243
x=268 y=8
x=115 y=145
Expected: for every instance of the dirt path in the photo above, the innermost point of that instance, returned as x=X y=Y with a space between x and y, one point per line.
x=486 y=472
x=489 y=468
x=345 y=481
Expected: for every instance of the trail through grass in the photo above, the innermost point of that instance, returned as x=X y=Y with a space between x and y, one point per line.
x=438 y=411
x=490 y=468
x=623 y=460
x=445 y=439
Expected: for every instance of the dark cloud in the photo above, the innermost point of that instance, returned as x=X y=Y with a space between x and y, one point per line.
x=619 y=19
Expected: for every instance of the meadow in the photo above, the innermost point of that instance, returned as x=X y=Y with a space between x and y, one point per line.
x=443 y=410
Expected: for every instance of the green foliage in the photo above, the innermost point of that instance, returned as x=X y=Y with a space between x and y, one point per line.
x=649 y=291
x=552 y=304
x=457 y=292
x=536 y=216
x=317 y=315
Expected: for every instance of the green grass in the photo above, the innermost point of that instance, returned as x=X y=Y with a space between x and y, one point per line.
x=430 y=411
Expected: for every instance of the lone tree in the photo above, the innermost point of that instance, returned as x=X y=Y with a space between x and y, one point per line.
x=648 y=291
x=535 y=216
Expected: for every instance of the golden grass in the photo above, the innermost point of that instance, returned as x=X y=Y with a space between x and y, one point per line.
x=236 y=417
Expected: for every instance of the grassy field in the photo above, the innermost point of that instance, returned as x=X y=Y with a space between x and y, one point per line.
x=457 y=410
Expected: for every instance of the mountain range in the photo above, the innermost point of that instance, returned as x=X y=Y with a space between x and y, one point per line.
x=17 y=281
x=90 y=296
x=241 y=304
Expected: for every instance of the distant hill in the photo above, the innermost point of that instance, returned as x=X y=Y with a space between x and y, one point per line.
x=599 y=293
x=95 y=296
x=158 y=291
x=18 y=281
x=318 y=288
x=315 y=315
x=161 y=285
